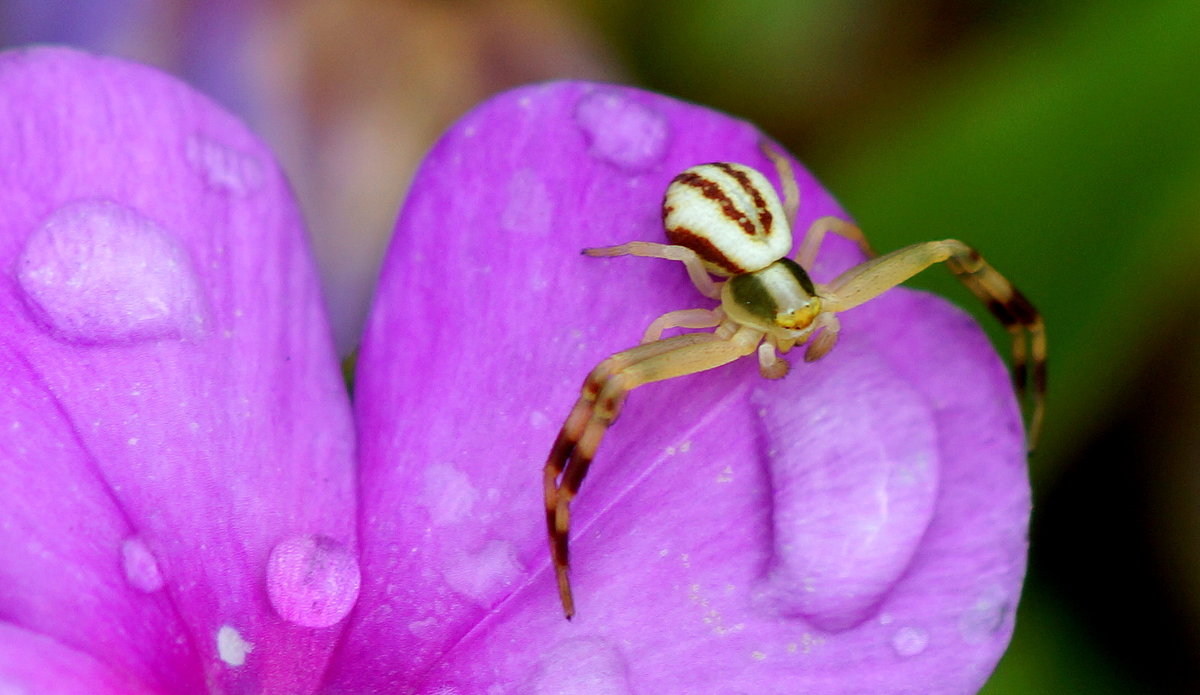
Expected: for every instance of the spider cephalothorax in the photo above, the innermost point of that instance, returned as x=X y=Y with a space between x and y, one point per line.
x=726 y=220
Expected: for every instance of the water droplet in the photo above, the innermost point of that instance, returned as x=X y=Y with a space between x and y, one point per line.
x=449 y=494
x=223 y=167
x=232 y=649
x=585 y=666
x=621 y=131
x=984 y=618
x=426 y=629
x=485 y=574
x=312 y=581
x=538 y=420
x=853 y=486
x=529 y=208
x=910 y=641
x=141 y=569
x=99 y=272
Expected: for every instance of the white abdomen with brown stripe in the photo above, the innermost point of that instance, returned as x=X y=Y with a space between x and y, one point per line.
x=729 y=215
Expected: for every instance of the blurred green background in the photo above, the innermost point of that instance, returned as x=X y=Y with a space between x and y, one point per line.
x=1061 y=137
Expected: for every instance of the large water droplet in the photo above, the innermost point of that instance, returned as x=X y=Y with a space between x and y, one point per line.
x=585 y=666
x=528 y=209
x=223 y=167
x=231 y=648
x=141 y=569
x=621 y=131
x=853 y=465
x=910 y=641
x=99 y=272
x=312 y=581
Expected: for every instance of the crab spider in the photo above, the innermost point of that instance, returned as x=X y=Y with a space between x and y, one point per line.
x=726 y=220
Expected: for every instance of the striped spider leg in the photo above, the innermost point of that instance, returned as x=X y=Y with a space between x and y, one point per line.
x=726 y=220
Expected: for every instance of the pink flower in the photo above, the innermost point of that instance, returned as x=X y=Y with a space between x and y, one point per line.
x=184 y=507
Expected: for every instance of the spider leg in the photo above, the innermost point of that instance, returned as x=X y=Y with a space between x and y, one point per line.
x=869 y=280
x=770 y=364
x=828 y=326
x=807 y=253
x=684 y=318
x=600 y=402
x=787 y=182
x=648 y=249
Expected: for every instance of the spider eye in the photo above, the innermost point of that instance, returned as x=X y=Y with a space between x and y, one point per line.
x=800 y=317
x=730 y=215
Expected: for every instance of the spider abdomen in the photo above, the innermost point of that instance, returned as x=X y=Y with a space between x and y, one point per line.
x=730 y=215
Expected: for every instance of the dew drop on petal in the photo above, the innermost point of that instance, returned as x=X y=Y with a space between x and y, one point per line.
x=223 y=167
x=96 y=271
x=232 y=649
x=621 y=131
x=312 y=581
x=141 y=568
x=538 y=420
x=484 y=574
x=426 y=628
x=984 y=618
x=529 y=209
x=910 y=641
x=585 y=666
x=448 y=494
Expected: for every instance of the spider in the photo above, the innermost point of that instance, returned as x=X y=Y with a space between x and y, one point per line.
x=726 y=220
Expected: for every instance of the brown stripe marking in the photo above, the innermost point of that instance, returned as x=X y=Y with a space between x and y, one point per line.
x=704 y=248
x=1021 y=309
x=1039 y=376
x=712 y=190
x=765 y=218
x=1021 y=319
x=1001 y=311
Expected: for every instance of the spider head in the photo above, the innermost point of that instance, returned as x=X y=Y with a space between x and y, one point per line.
x=780 y=296
x=730 y=215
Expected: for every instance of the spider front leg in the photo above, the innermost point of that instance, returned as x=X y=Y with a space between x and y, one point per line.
x=600 y=402
x=867 y=281
x=648 y=249
x=684 y=318
x=770 y=365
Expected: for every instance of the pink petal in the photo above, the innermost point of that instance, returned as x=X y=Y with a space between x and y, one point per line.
x=173 y=407
x=35 y=663
x=857 y=527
